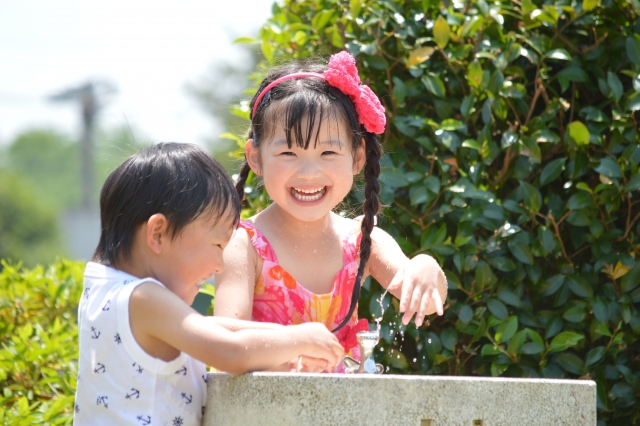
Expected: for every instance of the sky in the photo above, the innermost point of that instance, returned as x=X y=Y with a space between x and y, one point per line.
x=150 y=50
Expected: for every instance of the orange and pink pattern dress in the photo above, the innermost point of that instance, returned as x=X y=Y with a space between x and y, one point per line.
x=280 y=299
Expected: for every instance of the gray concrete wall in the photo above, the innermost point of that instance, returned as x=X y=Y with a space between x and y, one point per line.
x=334 y=399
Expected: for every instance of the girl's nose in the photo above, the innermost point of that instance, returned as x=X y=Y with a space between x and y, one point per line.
x=308 y=169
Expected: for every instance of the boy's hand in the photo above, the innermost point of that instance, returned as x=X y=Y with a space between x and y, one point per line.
x=318 y=343
x=424 y=287
x=307 y=364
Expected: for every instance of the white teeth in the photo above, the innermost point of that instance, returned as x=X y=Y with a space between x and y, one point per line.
x=317 y=194
x=309 y=191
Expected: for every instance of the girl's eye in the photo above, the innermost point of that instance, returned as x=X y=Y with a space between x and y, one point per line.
x=287 y=153
x=328 y=152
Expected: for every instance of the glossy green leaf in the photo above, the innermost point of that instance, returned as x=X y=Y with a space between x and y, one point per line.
x=521 y=251
x=633 y=48
x=434 y=85
x=579 y=200
x=565 y=340
x=531 y=196
x=594 y=355
x=551 y=171
x=577 y=133
x=498 y=309
x=474 y=74
x=441 y=32
x=615 y=85
x=609 y=168
x=558 y=54
x=631 y=279
x=449 y=338
x=507 y=329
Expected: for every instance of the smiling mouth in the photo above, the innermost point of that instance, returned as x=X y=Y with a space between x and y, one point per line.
x=307 y=195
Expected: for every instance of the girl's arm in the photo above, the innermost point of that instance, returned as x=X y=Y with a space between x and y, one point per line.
x=161 y=323
x=234 y=286
x=419 y=283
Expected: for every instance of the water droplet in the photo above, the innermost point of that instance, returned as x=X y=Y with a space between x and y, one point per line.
x=429 y=340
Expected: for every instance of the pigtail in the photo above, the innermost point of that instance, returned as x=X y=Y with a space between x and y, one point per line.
x=242 y=179
x=371 y=208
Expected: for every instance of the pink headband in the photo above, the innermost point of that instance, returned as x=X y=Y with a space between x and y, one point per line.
x=342 y=74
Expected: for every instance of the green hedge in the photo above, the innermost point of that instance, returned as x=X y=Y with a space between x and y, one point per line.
x=38 y=343
x=512 y=157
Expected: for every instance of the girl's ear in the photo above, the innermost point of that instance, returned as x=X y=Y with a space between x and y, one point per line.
x=360 y=158
x=156 y=232
x=252 y=154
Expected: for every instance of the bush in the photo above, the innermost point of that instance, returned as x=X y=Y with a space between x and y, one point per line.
x=513 y=158
x=39 y=346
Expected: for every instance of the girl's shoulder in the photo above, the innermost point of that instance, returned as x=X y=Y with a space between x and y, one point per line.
x=257 y=239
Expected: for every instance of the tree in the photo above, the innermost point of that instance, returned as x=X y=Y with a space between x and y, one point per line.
x=513 y=159
x=225 y=84
x=28 y=227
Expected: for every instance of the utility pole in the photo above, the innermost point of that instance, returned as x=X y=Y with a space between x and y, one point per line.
x=91 y=96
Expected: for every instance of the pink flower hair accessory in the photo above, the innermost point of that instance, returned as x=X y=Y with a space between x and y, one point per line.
x=342 y=74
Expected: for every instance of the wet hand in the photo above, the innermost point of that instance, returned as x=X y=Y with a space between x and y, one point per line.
x=320 y=343
x=423 y=288
x=307 y=364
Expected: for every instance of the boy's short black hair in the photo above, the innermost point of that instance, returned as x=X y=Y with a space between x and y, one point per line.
x=178 y=180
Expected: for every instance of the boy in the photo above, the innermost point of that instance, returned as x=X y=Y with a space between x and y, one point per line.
x=167 y=214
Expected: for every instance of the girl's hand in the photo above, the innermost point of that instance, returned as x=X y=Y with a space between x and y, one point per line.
x=423 y=287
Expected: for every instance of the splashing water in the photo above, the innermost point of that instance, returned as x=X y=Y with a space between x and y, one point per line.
x=381 y=310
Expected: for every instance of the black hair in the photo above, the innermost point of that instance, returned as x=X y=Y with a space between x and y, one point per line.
x=314 y=99
x=178 y=180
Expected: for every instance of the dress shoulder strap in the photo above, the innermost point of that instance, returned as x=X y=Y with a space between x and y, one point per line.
x=259 y=242
x=351 y=242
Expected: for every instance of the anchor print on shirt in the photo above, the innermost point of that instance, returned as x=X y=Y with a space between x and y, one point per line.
x=86 y=292
x=116 y=338
x=182 y=371
x=177 y=421
x=103 y=400
x=205 y=378
x=135 y=393
x=137 y=367
x=125 y=282
x=106 y=306
x=144 y=420
x=94 y=333
x=99 y=368
x=77 y=408
x=187 y=399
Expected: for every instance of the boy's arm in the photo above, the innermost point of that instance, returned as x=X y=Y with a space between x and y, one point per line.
x=235 y=285
x=419 y=283
x=160 y=320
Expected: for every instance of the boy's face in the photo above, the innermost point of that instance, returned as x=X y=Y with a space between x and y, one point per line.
x=194 y=255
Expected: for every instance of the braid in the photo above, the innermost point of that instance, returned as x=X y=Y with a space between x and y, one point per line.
x=242 y=179
x=370 y=207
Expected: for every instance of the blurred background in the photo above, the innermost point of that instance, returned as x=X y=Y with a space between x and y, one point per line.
x=84 y=84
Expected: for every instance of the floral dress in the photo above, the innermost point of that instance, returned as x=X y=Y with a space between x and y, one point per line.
x=280 y=299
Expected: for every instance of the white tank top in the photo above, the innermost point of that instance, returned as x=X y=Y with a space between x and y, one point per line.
x=118 y=382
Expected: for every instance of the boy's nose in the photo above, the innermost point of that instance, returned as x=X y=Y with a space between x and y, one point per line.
x=218 y=263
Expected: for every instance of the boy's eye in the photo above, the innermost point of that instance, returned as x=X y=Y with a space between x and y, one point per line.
x=287 y=153
x=328 y=152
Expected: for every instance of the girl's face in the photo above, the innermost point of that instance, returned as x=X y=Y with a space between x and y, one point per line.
x=308 y=183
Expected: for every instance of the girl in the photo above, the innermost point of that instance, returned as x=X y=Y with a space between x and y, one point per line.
x=313 y=128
